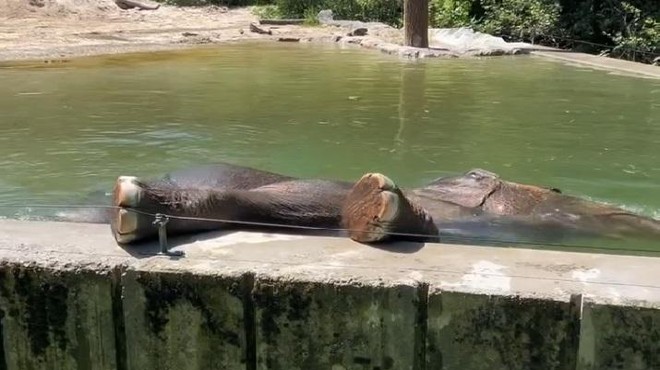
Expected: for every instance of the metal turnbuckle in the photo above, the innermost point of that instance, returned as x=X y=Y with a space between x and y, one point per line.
x=161 y=221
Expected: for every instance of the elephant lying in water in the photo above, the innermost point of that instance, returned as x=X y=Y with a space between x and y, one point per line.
x=374 y=209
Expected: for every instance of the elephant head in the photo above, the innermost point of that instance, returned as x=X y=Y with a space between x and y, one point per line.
x=484 y=190
x=484 y=193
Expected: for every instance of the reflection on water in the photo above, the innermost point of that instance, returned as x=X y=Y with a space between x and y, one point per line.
x=72 y=129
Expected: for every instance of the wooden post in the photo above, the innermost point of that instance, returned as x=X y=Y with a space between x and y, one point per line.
x=416 y=23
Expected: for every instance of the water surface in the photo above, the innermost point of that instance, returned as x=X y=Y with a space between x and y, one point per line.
x=317 y=111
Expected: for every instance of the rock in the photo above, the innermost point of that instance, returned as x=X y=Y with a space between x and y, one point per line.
x=325 y=16
x=130 y=4
x=656 y=61
x=260 y=30
x=189 y=34
x=289 y=39
x=37 y=3
x=360 y=31
x=282 y=22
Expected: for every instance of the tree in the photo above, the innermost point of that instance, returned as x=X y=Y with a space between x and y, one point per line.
x=416 y=23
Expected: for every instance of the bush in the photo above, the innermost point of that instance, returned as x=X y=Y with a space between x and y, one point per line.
x=627 y=29
x=641 y=44
x=451 y=13
x=267 y=12
x=631 y=26
x=520 y=20
x=386 y=11
x=311 y=17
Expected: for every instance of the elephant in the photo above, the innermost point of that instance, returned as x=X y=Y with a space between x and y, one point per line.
x=374 y=209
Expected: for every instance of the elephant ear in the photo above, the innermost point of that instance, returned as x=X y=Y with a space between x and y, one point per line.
x=469 y=190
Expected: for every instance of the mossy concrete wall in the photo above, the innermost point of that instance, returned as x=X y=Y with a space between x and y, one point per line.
x=71 y=299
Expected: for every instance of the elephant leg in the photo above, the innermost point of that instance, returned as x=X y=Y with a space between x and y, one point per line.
x=136 y=204
x=376 y=211
x=204 y=209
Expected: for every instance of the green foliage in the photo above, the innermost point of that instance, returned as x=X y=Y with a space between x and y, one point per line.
x=520 y=19
x=267 y=12
x=634 y=31
x=627 y=29
x=296 y=8
x=311 y=17
x=451 y=13
x=387 y=11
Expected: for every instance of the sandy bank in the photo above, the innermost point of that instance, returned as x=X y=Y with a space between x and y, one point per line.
x=57 y=30
x=46 y=30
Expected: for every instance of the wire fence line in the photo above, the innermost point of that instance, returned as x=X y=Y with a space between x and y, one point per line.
x=610 y=47
x=442 y=236
x=437 y=270
x=297 y=227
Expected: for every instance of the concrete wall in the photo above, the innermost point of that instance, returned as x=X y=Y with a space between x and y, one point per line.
x=71 y=299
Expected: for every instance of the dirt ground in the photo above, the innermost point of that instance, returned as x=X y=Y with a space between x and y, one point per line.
x=51 y=30
x=57 y=30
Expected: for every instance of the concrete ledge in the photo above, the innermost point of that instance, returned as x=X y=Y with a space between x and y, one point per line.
x=183 y=321
x=71 y=299
x=621 y=66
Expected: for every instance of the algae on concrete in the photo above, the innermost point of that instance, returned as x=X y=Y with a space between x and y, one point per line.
x=282 y=302
x=178 y=320
x=619 y=337
x=485 y=332
x=56 y=319
x=326 y=325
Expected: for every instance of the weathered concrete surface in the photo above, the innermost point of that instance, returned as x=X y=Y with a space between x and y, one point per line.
x=619 y=337
x=178 y=320
x=57 y=320
x=56 y=298
x=469 y=331
x=69 y=297
x=600 y=62
x=346 y=325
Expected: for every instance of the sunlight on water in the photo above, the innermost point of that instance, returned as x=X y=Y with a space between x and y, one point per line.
x=322 y=112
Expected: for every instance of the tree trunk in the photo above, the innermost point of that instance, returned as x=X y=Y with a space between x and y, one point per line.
x=416 y=23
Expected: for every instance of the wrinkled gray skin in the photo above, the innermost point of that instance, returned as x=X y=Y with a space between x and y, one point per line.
x=477 y=204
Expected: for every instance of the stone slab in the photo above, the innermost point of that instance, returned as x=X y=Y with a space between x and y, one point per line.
x=184 y=321
x=261 y=300
x=485 y=332
x=303 y=325
x=57 y=297
x=51 y=319
x=619 y=337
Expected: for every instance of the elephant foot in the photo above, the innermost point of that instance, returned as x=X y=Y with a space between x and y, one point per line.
x=128 y=224
x=376 y=210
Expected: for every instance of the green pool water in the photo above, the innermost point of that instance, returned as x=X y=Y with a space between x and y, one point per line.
x=317 y=111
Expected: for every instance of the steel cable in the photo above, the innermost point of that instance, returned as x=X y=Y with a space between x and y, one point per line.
x=443 y=237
